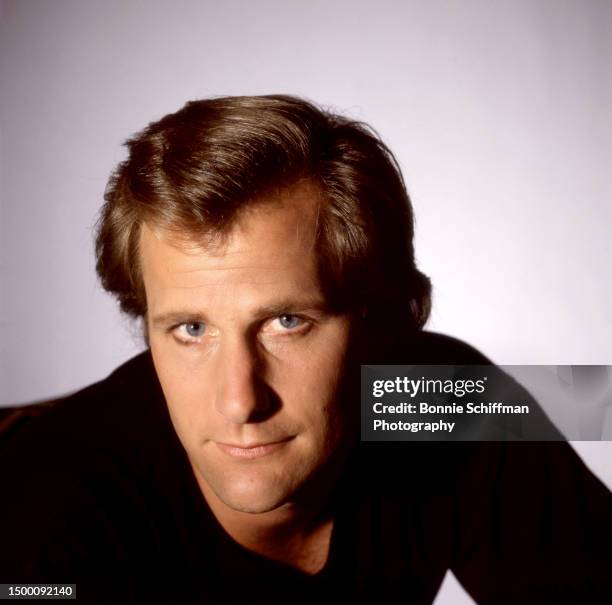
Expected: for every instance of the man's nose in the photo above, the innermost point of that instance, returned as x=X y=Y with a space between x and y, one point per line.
x=242 y=395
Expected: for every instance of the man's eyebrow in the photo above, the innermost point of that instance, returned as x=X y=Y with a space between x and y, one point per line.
x=292 y=305
x=288 y=306
x=175 y=317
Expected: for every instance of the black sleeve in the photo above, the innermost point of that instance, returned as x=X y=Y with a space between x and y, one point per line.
x=64 y=519
x=531 y=523
x=533 y=526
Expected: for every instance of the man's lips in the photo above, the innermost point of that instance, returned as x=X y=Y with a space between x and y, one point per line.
x=249 y=452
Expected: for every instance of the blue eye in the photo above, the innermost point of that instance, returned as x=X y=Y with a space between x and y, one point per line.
x=289 y=321
x=195 y=329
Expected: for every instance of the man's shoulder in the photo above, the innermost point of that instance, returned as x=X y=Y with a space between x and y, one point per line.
x=113 y=418
x=89 y=476
x=132 y=381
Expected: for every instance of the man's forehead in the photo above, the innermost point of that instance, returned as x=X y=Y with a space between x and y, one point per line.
x=270 y=244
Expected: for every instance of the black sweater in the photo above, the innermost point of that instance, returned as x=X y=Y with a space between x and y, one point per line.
x=98 y=491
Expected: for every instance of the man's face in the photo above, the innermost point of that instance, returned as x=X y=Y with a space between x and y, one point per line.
x=249 y=357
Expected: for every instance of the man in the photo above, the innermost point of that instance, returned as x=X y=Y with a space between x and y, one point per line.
x=267 y=246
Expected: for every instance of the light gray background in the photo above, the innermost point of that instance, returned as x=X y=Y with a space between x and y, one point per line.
x=499 y=113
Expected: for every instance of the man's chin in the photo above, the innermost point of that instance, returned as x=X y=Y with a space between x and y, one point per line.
x=253 y=492
x=251 y=501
